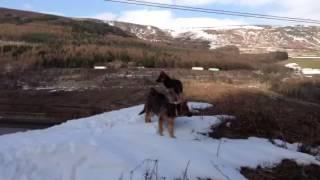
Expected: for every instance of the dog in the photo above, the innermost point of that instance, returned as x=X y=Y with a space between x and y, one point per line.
x=174 y=86
x=158 y=104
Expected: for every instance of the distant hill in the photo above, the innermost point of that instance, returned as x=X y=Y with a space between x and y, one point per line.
x=297 y=40
x=36 y=40
x=14 y=24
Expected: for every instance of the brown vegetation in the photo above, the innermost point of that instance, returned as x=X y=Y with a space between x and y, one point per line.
x=299 y=88
x=287 y=169
x=262 y=115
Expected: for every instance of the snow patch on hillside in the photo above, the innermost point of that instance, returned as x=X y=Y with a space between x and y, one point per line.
x=119 y=144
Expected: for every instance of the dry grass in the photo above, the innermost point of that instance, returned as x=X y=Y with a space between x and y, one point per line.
x=300 y=88
x=259 y=114
x=287 y=169
x=207 y=91
x=87 y=54
x=258 y=111
x=17 y=32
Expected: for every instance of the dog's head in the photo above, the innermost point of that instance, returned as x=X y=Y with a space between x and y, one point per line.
x=162 y=77
x=183 y=109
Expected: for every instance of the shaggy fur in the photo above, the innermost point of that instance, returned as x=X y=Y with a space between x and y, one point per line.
x=173 y=85
x=158 y=104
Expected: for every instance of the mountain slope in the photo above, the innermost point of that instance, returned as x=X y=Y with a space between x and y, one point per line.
x=294 y=39
x=250 y=39
x=297 y=40
x=15 y=23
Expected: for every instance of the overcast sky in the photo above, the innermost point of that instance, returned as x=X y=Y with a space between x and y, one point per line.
x=165 y=18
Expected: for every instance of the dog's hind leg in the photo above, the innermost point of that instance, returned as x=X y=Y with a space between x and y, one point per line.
x=171 y=127
x=148 y=117
x=160 y=126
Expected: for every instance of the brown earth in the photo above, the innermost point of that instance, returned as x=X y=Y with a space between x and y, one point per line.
x=46 y=97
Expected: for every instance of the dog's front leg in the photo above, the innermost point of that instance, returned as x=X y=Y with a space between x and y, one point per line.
x=171 y=127
x=160 y=126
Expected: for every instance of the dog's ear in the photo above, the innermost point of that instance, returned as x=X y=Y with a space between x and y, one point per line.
x=161 y=76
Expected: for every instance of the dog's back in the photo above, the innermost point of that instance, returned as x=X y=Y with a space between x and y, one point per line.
x=158 y=103
x=174 y=86
x=155 y=103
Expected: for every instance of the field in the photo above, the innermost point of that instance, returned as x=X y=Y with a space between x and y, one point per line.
x=305 y=63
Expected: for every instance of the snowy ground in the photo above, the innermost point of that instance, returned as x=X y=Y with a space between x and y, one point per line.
x=119 y=145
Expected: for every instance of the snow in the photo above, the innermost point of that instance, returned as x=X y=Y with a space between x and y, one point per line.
x=197 y=68
x=310 y=71
x=110 y=23
x=197 y=34
x=216 y=40
x=119 y=145
x=305 y=71
x=293 y=66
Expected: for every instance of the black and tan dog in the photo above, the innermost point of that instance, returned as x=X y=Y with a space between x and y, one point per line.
x=173 y=85
x=158 y=104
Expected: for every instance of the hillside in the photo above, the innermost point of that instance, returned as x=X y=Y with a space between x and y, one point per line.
x=51 y=24
x=297 y=40
x=36 y=41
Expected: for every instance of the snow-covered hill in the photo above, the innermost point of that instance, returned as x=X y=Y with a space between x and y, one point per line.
x=296 y=40
x=149 y=33
x=119 y=145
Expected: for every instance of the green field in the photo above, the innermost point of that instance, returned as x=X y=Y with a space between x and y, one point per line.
x=305 y=63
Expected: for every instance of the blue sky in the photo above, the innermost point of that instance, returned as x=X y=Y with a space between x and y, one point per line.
x=172 y=19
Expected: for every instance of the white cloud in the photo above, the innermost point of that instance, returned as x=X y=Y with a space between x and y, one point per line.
x=105 y=16
x=166 y=20
x=204 y=22
x=299 y=8
x=159 y=18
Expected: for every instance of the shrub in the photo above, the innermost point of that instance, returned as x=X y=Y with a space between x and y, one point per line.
x=15 y=50
x=258 y=114
x=96 y=28
x=40 y=38
x=148 y=62
x=304 y=89
x=281 y=55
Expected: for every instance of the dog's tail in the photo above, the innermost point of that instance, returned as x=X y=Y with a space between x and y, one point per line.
x=143 y=111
